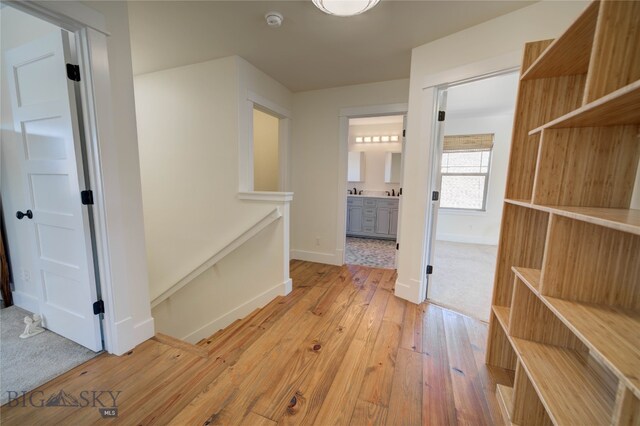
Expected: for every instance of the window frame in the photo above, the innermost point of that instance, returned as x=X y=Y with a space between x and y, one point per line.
x=485 y=193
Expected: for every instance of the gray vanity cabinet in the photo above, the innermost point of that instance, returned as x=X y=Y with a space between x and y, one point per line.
x=372 y=217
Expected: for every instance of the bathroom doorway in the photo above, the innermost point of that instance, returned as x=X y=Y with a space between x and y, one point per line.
x=374 y=189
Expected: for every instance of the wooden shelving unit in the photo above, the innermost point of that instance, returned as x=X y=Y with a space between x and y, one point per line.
x=566 y=300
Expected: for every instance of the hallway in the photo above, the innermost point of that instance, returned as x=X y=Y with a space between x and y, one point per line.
x=339 y=349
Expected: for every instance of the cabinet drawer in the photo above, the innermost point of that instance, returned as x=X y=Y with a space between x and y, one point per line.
x=354 y=201
x=369 y=202
x=369 y=211
x=368 y=221
x=367 y=228
x=388 y=203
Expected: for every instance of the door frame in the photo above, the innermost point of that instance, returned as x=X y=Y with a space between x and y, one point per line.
x=89 y=29
x=433 y=87
x=343 y=151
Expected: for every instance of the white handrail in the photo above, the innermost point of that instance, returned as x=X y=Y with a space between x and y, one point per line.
x=273 y=215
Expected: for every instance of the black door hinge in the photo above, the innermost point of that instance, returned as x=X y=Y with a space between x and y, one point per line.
x=435 y=196
x=397 y=246
x=86 y=197
x=429 y=269
x=404 y=132
x=73 y=72
x=98 y=307
x=441 y=115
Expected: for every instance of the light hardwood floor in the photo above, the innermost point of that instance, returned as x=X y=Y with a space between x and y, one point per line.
x=340 y=349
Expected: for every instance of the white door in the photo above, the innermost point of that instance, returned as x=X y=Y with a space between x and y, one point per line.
x=46 y=126
x=436 y=180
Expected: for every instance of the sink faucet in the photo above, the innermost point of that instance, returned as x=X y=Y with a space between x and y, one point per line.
x=388 y=193
x=355 y=191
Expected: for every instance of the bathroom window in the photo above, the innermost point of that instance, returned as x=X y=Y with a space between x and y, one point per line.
x=466 y=160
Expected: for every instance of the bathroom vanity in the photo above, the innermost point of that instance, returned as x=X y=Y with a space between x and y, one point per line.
x=373 y=217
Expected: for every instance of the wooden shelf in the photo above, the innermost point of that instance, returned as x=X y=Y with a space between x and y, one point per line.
x=613 y=334
x=571 y=392
x=625 y=220
x=621 y=107
x=529 y=276
x=505 y=401
x=502 y=313
x=569 y=54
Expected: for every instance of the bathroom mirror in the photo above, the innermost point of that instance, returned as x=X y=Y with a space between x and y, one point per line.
x=392 y=166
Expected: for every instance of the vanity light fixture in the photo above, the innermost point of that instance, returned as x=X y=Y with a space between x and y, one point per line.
x=345 y=8
x=394 y=138
x=358 y=139
x=375 y=139
x=367 y=139
x=384 y=139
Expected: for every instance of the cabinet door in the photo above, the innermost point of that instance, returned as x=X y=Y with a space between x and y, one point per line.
x=355 y=219
x=382 y=221
x=393 y=222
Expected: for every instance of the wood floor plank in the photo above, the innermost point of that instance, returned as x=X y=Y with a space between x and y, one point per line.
x=368 y=414
x=471 y=406
x=438 y=404
x=341 y=348
x=405 y=406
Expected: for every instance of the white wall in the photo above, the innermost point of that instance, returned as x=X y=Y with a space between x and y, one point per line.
x=17 y=28
x=471 y=226
x=266 y=170
x=191 y=121
x=314 y=162
x=493 y=38
x=375 y=154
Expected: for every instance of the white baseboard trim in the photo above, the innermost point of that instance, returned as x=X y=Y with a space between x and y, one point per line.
x=469 y=239
x=26 y=301
x=239 y=312
x=409 y=291
x=288 y=287
x=314 y=256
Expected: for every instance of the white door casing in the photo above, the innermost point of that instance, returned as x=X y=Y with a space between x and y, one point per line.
x=436 y=180
x=46 y=126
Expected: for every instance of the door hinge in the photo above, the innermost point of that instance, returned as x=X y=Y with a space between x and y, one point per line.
x=404 y=132
x=435 y=196
x=441 y=115
x=397 y=246
x=73 y=72
x=98 y=307
x=429 y=269
x=86 y=197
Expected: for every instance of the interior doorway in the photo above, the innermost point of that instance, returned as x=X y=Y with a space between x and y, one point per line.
x=471 y=159
x=374 y=189
x=48 y=237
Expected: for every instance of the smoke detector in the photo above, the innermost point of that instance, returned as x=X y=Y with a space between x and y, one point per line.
x=274 y=19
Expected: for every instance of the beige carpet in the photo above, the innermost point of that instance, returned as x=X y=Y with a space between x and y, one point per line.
x=26 y=364
x=463 y=277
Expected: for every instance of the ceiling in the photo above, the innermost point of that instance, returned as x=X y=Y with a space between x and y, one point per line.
x=490 y=96
x=311 y=50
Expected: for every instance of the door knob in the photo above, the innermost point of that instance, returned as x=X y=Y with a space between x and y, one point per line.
x=28 y=214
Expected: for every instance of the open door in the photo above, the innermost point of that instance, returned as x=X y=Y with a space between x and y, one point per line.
x=53 y=217
x=436 y=181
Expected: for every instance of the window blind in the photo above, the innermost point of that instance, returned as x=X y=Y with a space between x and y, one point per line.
x=479 y=142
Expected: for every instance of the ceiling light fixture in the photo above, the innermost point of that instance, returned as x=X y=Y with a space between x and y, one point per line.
x=345 y=7
x=274 y=19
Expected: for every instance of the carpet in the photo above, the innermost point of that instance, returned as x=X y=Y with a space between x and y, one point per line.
x=371 y=252
x=26 y=364
x=462 y=277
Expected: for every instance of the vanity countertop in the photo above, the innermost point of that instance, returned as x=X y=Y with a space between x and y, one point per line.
x=384 y=197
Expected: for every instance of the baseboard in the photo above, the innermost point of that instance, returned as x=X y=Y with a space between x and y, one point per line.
x=409 y=292
x=26 y=301
x=469 y=239
x=314 y=256
x=127 y=335
x=239 y=312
